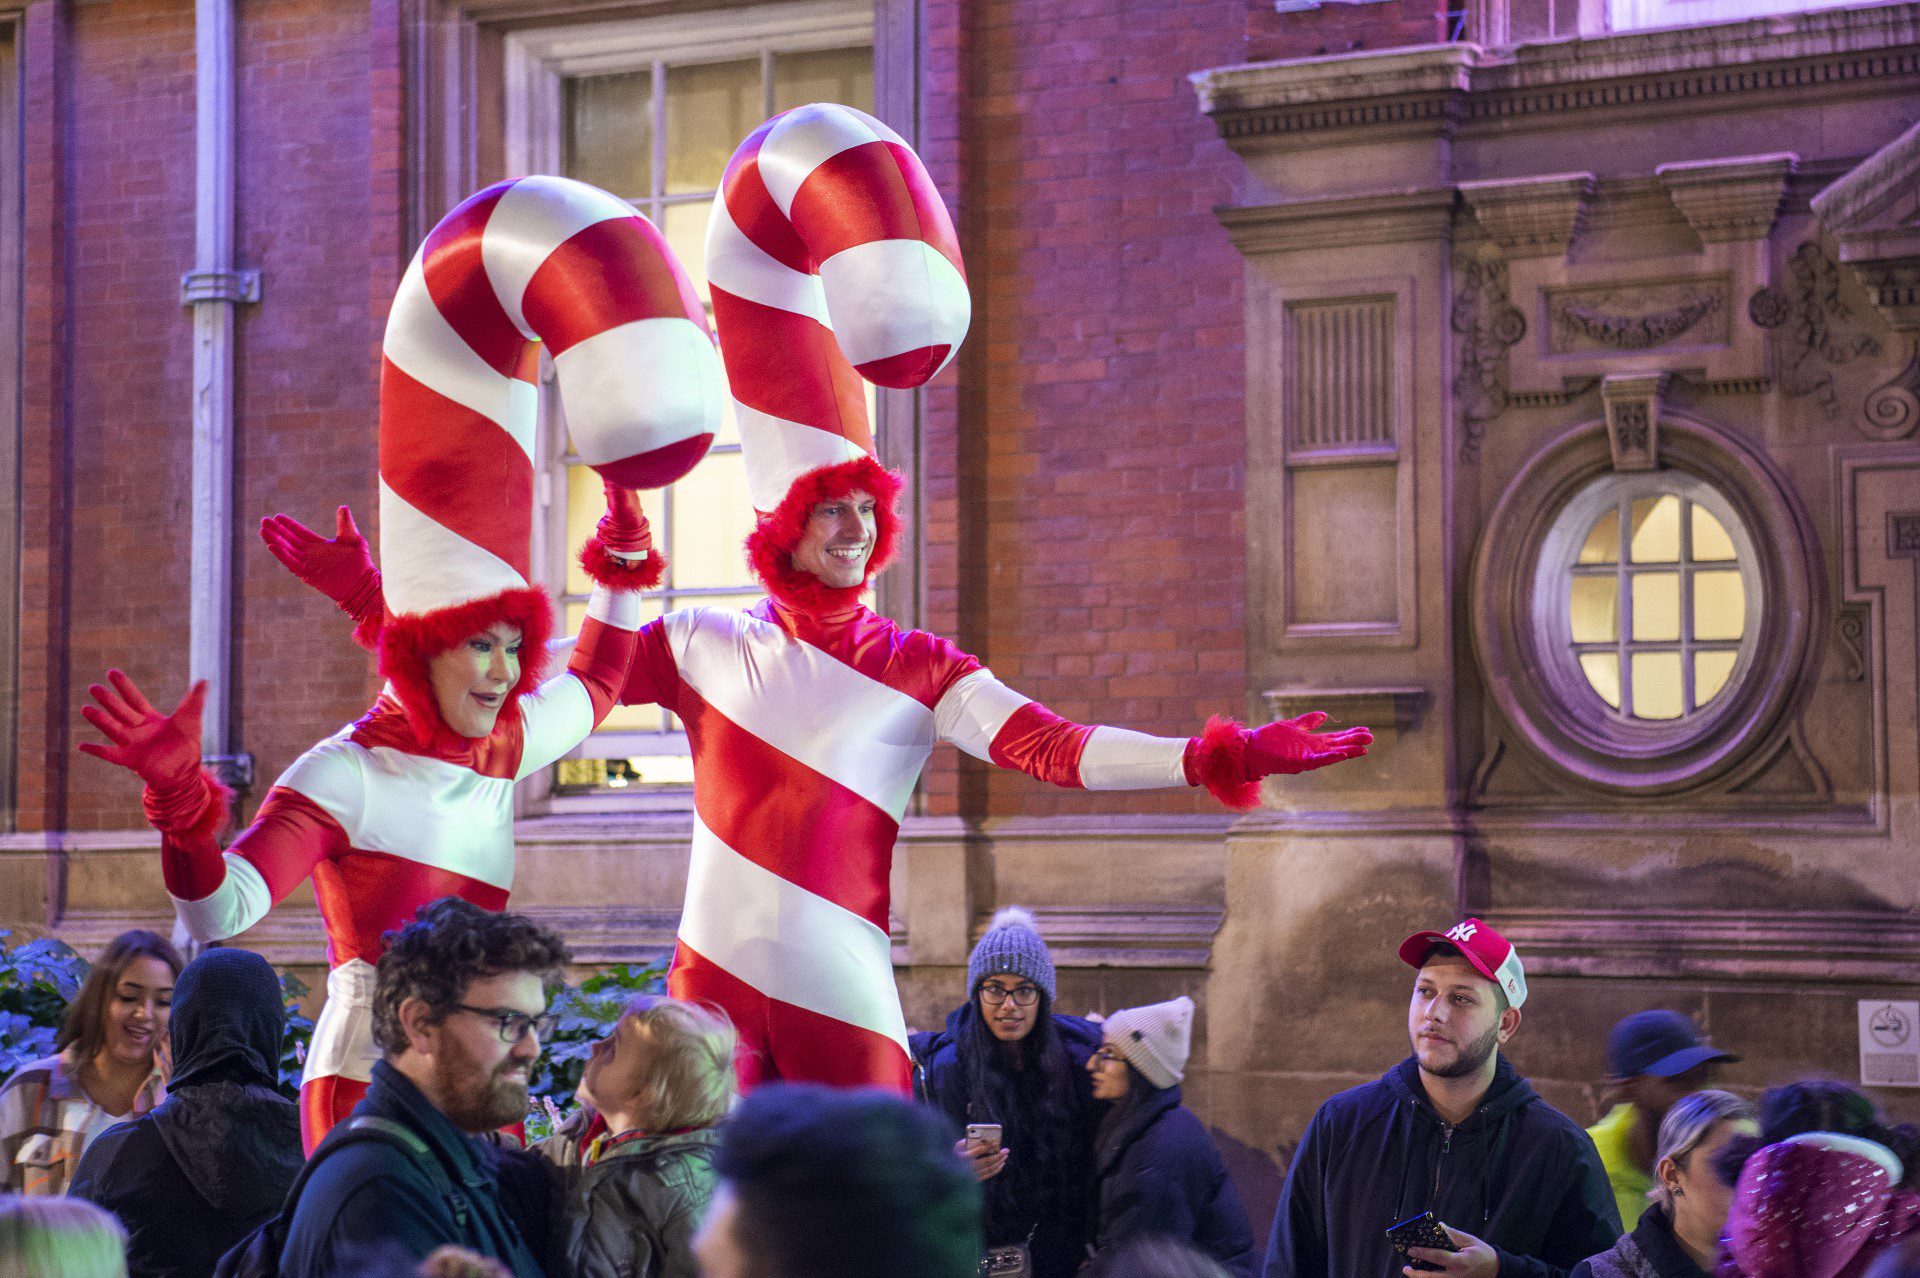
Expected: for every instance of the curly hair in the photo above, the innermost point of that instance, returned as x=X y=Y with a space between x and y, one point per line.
x=450 y=944
x=1821 y=1105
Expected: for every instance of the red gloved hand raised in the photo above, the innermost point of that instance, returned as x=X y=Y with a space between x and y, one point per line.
x=1230 y=760
x=164 y=750
x=341 y=568
x=620 y=554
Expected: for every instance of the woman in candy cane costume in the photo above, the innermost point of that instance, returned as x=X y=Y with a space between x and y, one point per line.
x=414 y=800
x=809 y=716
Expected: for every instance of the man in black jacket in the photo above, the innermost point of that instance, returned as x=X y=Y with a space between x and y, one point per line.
x=1453 y=1130
x=458 y=1010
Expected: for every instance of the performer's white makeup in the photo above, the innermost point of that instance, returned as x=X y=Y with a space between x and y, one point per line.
x=838 y=541
x=471 y=680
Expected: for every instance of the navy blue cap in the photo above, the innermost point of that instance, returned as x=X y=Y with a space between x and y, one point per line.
x=1658 y=1044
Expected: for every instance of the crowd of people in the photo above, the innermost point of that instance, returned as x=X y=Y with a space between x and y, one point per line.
x=1038 y=1144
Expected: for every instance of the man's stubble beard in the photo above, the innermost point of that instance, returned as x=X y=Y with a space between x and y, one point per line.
x=1471 y=1058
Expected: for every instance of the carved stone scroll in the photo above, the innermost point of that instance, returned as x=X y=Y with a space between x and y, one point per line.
x=1486 y=325
x=1820 y=332
x=1892 y=408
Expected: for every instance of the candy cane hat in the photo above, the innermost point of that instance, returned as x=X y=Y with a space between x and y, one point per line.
x=560 y=262
x=831 y=259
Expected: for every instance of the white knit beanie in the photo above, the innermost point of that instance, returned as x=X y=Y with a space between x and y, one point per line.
x=1155 y=1039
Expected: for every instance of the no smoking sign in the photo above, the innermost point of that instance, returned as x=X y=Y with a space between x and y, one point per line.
x=1889 y=1043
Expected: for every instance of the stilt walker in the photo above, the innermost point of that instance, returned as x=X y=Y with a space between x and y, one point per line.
x=414 y=800
x=810 y=716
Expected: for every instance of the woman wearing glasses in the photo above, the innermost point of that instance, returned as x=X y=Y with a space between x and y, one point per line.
x=1007 y=1059
x=1158 y=1172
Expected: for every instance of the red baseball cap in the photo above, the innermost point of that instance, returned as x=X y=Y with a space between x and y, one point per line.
x=1490 y=954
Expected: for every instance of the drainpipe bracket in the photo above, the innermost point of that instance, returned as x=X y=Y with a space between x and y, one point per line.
x=234 y=770
x=219 y=286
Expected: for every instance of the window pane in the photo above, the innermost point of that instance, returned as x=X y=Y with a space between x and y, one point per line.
x=711 y=518
x=711 y=106
x=1603 y=672
x=828 y=75
x=1710 y=540
x=685 y=226
x=1710 y=671
x=1656 y=685
x=1603 y=540
x=1596 y=609
x=586 y=502
x=1656 y=606
x=1656 y=530
x=610 y=132
x=1719 y=605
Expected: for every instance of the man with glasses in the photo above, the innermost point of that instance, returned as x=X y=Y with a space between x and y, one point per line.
x=459 y=1011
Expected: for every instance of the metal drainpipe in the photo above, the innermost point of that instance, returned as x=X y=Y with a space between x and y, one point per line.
x=211 y=290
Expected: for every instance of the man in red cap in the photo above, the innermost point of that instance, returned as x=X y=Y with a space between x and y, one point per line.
x=1453 y=1130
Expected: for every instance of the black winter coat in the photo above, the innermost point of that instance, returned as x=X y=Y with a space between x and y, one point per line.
x=1650 y=1251
x=1517 y=1174
x=373 y=1200
x=1059 y=1245
x=1159 y=1174
x=195 y=1176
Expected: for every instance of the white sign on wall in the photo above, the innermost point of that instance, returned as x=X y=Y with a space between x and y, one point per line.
x=1889 y=1043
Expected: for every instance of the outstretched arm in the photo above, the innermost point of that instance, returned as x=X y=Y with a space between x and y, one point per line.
x=989 y=720
x=216 y=894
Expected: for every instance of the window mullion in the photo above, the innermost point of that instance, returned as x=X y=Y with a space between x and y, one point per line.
x=1623 y=584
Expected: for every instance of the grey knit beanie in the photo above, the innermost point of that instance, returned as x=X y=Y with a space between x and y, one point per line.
x=1011 y=947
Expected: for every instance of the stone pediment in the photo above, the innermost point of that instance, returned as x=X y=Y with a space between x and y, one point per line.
x=1873 y=214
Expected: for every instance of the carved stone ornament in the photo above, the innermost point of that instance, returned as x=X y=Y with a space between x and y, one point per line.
x=1903 y=535
x=1768 y=308
x=1852 y=631
x=1574 y=320
x=1821 y=332
x=1892 y=408
x=1633 y=419
x=1734 y=199
x=1485 y=325
x=1534 y=216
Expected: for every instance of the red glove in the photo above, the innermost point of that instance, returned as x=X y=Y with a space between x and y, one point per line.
x=623 y=529
x=341 y=568
x=1230 y=760
x=164 y=750
x=620 y=554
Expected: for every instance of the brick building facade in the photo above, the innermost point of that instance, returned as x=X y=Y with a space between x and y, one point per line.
x=1113 y=502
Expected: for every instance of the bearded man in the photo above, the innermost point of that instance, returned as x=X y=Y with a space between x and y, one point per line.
x=1453 y=1130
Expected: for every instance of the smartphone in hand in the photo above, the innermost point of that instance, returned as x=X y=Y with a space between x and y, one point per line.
x=983 y=1136
x=1419 y=1231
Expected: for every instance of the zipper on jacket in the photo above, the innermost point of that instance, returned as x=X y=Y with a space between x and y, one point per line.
x=1446 y=1147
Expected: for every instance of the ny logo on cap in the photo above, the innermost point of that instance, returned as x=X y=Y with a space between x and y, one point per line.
x=1462 y=932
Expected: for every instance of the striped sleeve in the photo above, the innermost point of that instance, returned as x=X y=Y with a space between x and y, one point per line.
x=292 y=834
x=989 y=720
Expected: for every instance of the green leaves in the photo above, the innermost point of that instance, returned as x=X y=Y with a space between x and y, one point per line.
x=37 y=981
x=583 y=1015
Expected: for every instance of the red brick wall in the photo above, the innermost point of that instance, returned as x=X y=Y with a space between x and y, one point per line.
x=1090 y=457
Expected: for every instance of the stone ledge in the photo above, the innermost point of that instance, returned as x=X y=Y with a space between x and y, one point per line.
x=1145 y=936
x=1396 y=217
x=1716 y=947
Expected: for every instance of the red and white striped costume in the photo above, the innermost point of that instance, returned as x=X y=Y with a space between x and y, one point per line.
x=809 y=733
x=398 y=810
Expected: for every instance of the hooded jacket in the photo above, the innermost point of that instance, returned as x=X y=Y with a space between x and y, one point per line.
x=1059 y=1240
x=1160 y=1175
x=632 y=1212
x=214 y=1160
x=1650 y=1251
x=1517 y=1174
x=1817 y=1205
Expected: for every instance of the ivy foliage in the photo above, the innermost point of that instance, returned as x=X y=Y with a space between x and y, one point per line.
x=37 y=981
x=582 y=1014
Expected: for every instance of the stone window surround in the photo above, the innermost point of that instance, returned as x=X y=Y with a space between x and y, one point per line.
x=1718 y=744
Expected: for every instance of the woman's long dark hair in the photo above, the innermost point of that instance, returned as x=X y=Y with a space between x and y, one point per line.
x=1821 y=1105
x=1035 y=1091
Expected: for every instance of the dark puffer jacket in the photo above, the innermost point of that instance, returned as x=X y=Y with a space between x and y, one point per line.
x=1160 y=1175
x=632 y=1213
x=1059 y=1238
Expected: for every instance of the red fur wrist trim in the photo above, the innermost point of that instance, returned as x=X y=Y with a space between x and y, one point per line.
x=195 y=809
x=1217 y=759
x=368 y=608
x=608 y=569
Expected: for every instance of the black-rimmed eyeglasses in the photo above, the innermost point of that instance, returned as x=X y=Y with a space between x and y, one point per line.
x=512 y=1026
x=1022 y=995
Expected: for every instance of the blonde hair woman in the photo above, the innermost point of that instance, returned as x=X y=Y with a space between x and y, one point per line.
x=59 y=1238
x=660 y=1080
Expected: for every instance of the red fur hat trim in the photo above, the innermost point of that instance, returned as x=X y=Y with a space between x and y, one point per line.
x=771 y=544
x=1217 y=759
x=408 y=643
x=607 y=569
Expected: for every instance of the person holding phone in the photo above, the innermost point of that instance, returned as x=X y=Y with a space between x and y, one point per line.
x=1515 y=1187
x=1012 y=1073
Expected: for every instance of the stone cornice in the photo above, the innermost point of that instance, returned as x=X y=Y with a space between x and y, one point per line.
x=1850 y=947
x=1533 y=216
x=1399 y=217
x=1128 y=936
x=1733 y=199
x=1460 y=85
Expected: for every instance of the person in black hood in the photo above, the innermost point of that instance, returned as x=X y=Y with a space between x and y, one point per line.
x=1453 y=1130
x=1007 y=1058
x=212 y=1161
